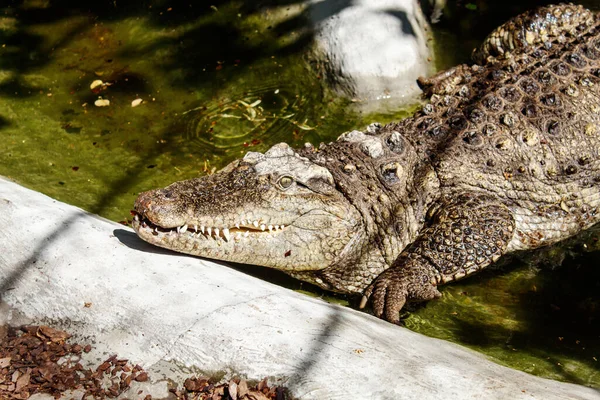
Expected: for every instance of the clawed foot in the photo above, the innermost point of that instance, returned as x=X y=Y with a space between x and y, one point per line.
x=393 y=288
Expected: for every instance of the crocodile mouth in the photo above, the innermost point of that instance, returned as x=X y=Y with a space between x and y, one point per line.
x=242 y=229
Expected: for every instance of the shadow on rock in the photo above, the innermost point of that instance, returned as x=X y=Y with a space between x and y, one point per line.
x=132 y=241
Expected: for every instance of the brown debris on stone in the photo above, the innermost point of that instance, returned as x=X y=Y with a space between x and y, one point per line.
x=202 y=388
x=38 y=359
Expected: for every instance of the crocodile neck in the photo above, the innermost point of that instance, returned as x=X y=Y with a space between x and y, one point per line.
x=393 y=212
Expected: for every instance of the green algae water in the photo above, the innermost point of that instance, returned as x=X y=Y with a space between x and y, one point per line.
x=100 y=101
x=214 y=82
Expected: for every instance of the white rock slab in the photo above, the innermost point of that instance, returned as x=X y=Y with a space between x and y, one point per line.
x=373 y=49
x=167 y=312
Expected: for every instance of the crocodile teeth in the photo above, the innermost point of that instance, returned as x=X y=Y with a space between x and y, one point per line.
x=136 y=217
x=221 y=232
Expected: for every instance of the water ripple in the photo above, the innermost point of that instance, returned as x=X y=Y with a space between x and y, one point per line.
x=270 y=114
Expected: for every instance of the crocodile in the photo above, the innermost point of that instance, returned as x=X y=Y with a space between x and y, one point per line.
x=503 y=156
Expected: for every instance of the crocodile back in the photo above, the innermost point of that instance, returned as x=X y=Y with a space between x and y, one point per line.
x=525 y=129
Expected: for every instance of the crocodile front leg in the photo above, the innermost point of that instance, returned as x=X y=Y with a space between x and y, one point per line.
x=466 y=235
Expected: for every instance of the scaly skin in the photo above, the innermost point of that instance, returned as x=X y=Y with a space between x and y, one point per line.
x=504 y=157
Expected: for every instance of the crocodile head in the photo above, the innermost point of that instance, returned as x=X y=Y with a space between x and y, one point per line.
x=276 y=209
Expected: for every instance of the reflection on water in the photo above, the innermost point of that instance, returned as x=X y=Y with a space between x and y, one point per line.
x=218 y=80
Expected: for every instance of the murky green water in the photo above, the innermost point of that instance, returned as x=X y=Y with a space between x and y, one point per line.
x=215 y=81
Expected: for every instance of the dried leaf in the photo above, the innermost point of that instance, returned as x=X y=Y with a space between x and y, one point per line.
x=262 y=384
x=195 y=384
x=242 y=388
x=233 y=390
x=23 y=380
x=143 y=377
x=54 y=335
x=104 y=366
x=4 y=362
x=256 y=396
x=219 y=391
x=9 y=387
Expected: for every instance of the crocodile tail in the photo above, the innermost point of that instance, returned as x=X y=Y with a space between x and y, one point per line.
x=533 y=28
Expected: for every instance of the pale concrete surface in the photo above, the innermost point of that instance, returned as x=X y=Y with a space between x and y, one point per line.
x=172 y=313
x=374 y=49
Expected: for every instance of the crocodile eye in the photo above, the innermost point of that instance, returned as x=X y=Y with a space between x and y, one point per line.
x=285 y=182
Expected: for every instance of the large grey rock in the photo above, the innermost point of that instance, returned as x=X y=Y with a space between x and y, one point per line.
x=168 y=311
x=373 y=49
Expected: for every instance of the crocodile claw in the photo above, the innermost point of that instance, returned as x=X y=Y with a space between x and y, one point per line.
x=390 y=291
x=387 y=297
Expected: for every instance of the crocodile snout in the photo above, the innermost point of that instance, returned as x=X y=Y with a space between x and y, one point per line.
x=159 y=197
x=159 y=206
